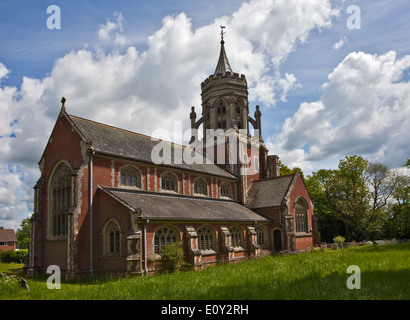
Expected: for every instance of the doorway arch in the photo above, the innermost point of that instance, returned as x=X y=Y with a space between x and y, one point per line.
x=277 y=240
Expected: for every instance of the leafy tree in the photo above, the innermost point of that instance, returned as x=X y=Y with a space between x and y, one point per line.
x=407 y=164
x=398 y=225
x=382 y=184
x=329 y=224
x=284 y=170
x=361 y=200
x=349 y=196
x=23 y=234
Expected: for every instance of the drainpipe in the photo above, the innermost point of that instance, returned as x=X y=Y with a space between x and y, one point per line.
x=145 y=246
x=90 y=196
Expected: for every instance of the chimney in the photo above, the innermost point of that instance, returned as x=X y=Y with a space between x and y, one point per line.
x=273 y=166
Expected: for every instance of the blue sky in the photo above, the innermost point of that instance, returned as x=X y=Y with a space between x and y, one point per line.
x=325 y=91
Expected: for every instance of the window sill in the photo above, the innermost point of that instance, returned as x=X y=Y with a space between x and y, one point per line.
x=208 y=252
x=200 y=195
x=169 y=191
x=122 y=186
x=58 y=238
x=303 y=234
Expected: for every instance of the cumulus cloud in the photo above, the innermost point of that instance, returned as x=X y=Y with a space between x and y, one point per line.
x=112 y=31
x=364 y=110
x=143 y=91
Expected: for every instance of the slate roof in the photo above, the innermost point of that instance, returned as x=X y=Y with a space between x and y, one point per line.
x=164 y=206
x=269 y=193
x=7 y=235
x=118 y=142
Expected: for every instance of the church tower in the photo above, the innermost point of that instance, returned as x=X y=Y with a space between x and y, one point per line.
x=225 y=112
x=224 y=97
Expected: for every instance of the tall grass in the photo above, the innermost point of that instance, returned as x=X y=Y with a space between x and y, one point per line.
x=385 y=274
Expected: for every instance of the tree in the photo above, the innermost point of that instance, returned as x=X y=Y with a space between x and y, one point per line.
x=329 y=224
x=361 y=200
x=382 y=184
x=398 y=225
x=349 y=196
x=284 y=170
x=407 y=164
x=23 y=234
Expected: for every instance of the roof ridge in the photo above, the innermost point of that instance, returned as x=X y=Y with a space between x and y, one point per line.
x=110 y=126
x=166 y=194
x=127 y=131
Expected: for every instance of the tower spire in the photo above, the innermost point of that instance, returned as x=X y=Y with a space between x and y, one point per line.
x=223 y=65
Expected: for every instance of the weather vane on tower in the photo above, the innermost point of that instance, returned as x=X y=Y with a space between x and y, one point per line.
x=222 y=33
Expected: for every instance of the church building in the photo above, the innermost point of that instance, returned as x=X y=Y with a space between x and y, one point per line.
x=103 y=204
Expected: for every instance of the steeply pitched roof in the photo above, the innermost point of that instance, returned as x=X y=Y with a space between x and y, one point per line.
x=269 y=193
x=163 y=206
x=118 y=142
x=223 y=65
x=7 y=235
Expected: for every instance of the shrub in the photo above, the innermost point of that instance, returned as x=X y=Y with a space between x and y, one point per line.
x=338 y=239
x=11 y=256
x=21 y=255
x=173 y=255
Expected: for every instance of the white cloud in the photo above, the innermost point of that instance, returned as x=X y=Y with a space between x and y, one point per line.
x=340 y=43
x=364 y=110
x=111 y=31
x=3 y=71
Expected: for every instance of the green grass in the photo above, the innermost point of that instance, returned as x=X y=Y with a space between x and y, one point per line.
x=10 y=268
x=385 y=274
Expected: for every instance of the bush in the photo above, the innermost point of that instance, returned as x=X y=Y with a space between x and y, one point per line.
x=11 y=256
x=173 y=255
x=338 y=239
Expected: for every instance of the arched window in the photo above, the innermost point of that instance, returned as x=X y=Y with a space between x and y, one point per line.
x=260 y=236
x=61 y=200
x=200 y=187
x=236 y=237
x=169 y=182
x=163 y=237
x=130 y=177
x=206 y=239
x=301 y=216
x=112 y=238
x=226 y=191
x=221 y=107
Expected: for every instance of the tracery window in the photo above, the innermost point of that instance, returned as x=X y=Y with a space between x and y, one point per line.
x=112 y=239
x=169 y=182
x=163 y=237
x=130 y=177
x=200 y=187
x=301 y=216
x=61 y=200
x=206 y=239
x=226 y=191
x=260 y=236
x=236 y=237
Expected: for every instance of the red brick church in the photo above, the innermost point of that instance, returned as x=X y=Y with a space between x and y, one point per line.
x=103 y=204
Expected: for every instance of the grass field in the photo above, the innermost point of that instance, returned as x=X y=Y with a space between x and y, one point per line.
x=385 y=274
